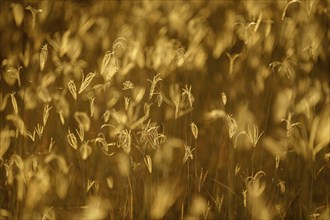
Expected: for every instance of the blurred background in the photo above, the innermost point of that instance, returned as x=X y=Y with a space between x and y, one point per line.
x=164 y=109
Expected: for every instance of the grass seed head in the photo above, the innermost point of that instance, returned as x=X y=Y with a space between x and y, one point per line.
x=124 y=141
x=127 y=100
x=128 y=85
x=72 y=140
x=254 y=138
x=194 y=129
x=154 y=82
x=232 y=126
x=46 y=114
x=86 y=81
x=224 y=98
x=43 y=56
x=105 y=62
x=187 y=92
x=72 y=88
x=188 y=153
x=34 y=12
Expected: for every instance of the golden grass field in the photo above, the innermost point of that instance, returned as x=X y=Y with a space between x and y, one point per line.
x=164 y=109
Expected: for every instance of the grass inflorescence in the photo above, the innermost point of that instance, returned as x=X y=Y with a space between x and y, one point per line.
x=164 y=110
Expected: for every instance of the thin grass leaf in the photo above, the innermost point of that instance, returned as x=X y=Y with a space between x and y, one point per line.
x=254 y=138
x=14 y=102
x=258 y=22
x=81 y=134
x=137 y=123
x=51 y=145
x=3 y=101
x=200 y=179
x=31 y=136
x=46 y=114
x=90 y=183
x=154 y=82
x=177 y=104
x=190 y=97
x=127 y=100
x=34 y=12
x=287 y=6
x=49 y=213
x=39 y=129
x=60 y=113
x=148 y=162
x=231 y=62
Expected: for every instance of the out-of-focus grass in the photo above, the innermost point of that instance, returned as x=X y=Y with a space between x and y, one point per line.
x=151 y=110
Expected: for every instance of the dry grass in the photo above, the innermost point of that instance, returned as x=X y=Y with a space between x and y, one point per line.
x=164 y=110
